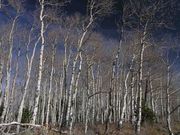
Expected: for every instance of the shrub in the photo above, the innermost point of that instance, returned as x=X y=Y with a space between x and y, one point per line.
x=1 y=109
x=147 y=114
x=26 y=116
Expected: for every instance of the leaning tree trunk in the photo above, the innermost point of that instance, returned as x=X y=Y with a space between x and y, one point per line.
x=10 y=108
x=80 y=44
x=126 y=93
x=8 y=71
x=28 y=76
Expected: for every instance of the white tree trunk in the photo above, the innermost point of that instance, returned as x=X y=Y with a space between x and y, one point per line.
x=70 y=91
x=140 y=91
x=40 y=63
x=43 y=102
x=28 y=76
x=61 y=106
x=126 y=93
x=8 y=71
x=72 y=84
x=161 y=101
x=73 y=108
x=50 y=87
x=87 y=116
x=1 y=81
x=152 y=95
x=10 y=107
x=132 y=100
x=142 y=44
x=168 y=112
x=54 y=109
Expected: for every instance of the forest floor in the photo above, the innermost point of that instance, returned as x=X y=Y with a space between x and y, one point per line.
x=127 y=129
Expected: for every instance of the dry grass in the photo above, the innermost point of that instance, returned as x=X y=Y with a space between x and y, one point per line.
x=98 y=129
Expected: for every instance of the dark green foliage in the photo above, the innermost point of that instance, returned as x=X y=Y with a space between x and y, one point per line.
x=26 y=116
x=1 y=110
x=147 y=114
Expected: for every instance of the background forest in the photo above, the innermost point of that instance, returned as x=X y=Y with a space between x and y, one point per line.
x=61 y=69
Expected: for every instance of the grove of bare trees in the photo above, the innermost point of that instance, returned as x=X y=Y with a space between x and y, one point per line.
x=58 y=70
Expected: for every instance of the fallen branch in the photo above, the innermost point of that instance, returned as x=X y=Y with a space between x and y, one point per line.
x=21 y=124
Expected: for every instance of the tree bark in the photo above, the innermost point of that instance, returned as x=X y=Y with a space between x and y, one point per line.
x=28 y=76
x=50 y=86
x=10 y=107
x=142 y=45
x=126 y=93
x=35 y=111
x=8 y=71
x=168 y=112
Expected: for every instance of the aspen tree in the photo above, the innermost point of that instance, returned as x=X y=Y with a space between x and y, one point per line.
x=1 y=72
x=95 y=10
x=10 y=108
x=126 y=92
x=8 y=69
x=41 y=16
x=28 y=74
x=50 y=84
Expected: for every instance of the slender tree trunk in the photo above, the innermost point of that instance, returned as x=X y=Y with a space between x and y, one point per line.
x=87 y=101
x=50 y=86
x=10 y=108
x=54 y=109
x=87 y=116
x=73 y=108
x=70 y=91
x=62 y=102
x=109 y=105
x=1 y=73
x=126 y=93
x=93 y=98
x=168 y=112
x=152 y=95
x=161 y=101
x=40 y=64
x=132 y=99
x=8 y=71
x=43 y=102
x=28 y=76
x=72 y=84
x=142 y=40
x=1 y=82
x=64 y=99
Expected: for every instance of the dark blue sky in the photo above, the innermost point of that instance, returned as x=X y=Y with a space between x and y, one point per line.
x=106 y=25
